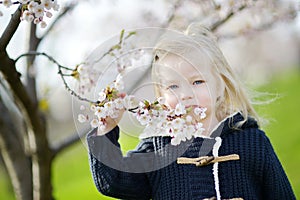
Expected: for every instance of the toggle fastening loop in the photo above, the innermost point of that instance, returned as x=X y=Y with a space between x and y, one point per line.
x=206 y=160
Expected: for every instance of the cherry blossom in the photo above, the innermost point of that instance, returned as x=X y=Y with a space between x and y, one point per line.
x=157 y=118
x=43 y=24
x=144 y=119
x=82 y=107
x=38 y=11
x=200 y=112
x=102 y=96
x=87 y=77
x=7 y=3
x=130 y=102
x=95 y=123
x=31 y=6
x=28 y=16
x=34 y=10
x=119 y=103
x=82 y=118
x=180 y=109
x=100 y=112
x=119 y=83
x=48 y=4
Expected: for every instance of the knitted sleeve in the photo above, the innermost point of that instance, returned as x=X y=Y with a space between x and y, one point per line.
x=113 y=174
x=276 y=183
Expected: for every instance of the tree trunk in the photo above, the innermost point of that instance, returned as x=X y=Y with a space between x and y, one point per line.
x=38 y=147
x=17 y=163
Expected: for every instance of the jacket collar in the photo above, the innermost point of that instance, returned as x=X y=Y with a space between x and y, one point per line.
x=230 y=124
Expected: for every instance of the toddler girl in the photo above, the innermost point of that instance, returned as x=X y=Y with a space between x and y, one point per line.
x=231 y=158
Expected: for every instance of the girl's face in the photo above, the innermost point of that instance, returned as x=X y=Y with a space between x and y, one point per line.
x=188 y=84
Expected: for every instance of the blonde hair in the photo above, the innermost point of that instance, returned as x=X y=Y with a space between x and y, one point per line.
x=197 y=37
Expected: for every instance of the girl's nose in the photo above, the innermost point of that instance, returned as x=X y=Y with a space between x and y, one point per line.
x=185 y=92
x=185 y=96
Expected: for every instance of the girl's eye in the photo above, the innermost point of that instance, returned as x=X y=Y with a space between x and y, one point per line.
x=198 y=82
x=172 y=87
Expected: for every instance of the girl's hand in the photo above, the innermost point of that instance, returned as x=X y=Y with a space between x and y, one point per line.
x=110 y=123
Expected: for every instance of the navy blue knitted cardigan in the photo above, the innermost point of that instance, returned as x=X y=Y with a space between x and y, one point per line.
x=151 y=171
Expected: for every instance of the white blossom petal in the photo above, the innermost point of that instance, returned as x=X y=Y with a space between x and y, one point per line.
x=119 y=83
x=38 y=11
x=82 y=118
x=144 y=119
x=180 y=109
x=101 y=96
x=95 y=123
x=7 y=3
x=82 y=107
x=114 y=114
x=49 y=14
x=119 y=103
x=178 y=123
x=188 y=118
x=43 y=24
x=101 y=112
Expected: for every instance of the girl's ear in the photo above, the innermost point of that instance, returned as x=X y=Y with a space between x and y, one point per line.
x=220 y=100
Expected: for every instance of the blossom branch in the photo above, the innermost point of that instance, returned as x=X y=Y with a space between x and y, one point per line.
x=172 y=13
x=60 y=72
x=33 y=53
x=170 y=18
x=180 y=123
x=118 y=46
x=286 y=16
x=229 y=15
x=74 y=72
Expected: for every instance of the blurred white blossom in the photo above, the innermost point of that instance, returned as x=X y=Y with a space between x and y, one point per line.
x=200 y=112
x=180 y=109
x=7 y=3
x=82 y=118
x=102 y=96
x=34 y=10
x=95 y=123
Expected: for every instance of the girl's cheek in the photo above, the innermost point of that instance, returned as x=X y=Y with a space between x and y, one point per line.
x=172 y=104
x=171 y=100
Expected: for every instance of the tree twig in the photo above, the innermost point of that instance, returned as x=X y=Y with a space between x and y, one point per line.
x=263 y=26
x=10 y=29
x=60 y=72
x=172 y=13
x=69 y=141
x=229 y=15
x=66 y=10
x=33 y=44
x=122 y=38
x=34 y=53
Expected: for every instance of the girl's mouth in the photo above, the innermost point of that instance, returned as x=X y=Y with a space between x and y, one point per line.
x=192 y=106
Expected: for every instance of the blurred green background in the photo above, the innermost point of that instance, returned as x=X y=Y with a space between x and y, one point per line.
x=71 y=173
